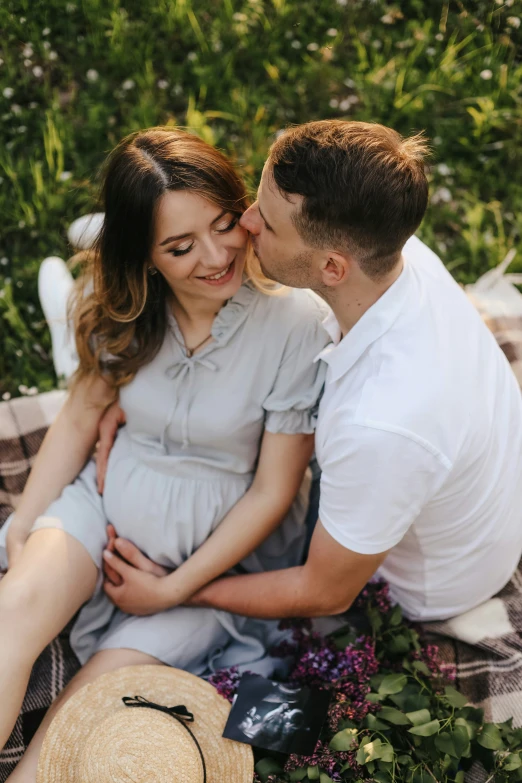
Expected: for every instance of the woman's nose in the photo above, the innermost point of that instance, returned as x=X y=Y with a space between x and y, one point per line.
x=216 y=255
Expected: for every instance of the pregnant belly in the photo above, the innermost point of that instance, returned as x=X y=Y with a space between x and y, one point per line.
x=167 y=517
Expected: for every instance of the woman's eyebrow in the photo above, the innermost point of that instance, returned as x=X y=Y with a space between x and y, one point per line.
x=184 y=236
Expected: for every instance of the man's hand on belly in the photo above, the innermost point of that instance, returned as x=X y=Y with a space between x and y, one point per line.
x=134 y=584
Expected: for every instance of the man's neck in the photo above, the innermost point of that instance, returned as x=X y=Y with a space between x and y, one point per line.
x=350 y=303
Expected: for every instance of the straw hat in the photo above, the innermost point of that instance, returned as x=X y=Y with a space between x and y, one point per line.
x=97 y=738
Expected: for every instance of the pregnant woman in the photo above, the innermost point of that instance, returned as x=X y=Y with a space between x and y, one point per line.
x=215 y=375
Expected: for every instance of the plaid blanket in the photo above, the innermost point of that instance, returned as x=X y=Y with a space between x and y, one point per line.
x=482 y=648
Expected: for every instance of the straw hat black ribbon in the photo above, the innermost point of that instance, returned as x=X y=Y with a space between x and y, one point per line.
x=180 y=713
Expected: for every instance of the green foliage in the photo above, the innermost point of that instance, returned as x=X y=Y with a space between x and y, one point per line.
x=76 y=76
x=419 y=729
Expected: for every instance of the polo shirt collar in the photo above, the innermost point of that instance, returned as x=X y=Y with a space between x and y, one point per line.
x=341 y=355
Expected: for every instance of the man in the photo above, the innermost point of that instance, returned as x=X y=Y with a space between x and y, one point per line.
x=419 y=435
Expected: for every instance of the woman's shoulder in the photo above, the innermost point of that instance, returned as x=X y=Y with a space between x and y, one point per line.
x=293 y=306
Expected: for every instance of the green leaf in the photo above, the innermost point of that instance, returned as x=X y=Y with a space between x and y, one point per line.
x=455 y=698
x=343 y=740
x=460 y=776
x=393 y=683
x=490 y=737
x=404 y=759
x=469 y=725
x=421 y=667
x=399 y=645
x=394 y=716
x=419 y=717
x=395 y=617
x=444 y=743
x=375 y=750
x=375 y=698
x=374 y=724
x=460 y=738
x=512 y=762
x=324 y=778
x=426 y=729
x=267 y=767
x=297 y=774
x=313 y=773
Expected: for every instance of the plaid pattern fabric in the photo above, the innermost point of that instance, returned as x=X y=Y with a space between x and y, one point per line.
x=482 y=647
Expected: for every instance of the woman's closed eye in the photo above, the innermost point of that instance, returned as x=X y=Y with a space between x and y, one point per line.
x=221 y=228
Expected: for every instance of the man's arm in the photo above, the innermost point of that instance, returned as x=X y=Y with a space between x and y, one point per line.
x=326 y=584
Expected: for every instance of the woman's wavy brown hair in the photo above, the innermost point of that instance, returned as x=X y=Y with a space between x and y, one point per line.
x=120 y=311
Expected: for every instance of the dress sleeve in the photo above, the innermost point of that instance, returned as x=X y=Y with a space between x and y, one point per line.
x=291 y=406
x=374 y=483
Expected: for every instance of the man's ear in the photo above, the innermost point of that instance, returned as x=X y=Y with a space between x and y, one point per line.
x=335 y=268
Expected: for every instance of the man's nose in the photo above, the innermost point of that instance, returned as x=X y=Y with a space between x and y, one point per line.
x=251 y=219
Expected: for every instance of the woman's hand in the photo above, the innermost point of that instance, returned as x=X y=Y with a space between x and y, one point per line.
x=113 y=418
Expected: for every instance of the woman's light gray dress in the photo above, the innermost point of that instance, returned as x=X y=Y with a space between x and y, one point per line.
x=185 y=457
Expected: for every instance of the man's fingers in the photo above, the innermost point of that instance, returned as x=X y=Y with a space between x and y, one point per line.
x=113 y=576
x=132 y=555
x=117 y=564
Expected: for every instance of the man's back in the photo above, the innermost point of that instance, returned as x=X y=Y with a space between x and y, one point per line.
x=420 y=441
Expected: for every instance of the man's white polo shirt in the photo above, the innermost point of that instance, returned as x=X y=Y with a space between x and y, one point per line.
x=419 y=439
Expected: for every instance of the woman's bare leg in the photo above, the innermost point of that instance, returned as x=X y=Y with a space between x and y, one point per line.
x=104 y=661
x=49 y=582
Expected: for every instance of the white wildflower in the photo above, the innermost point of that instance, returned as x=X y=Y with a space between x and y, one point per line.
x=53 y=55
x=32 y=391
x=31 y=309
x=128 y=84
x=296 y=44
x=37 y=71
x=28 y=50
x=46 y=45
x=2 y=293
x=377 y=44
x=21 y=224
x=334 y=103
x=191 y=56
x=345 y=104
x=92 y=75
x=4 y=261
x=486 y=74
x=444 y=169
x=22 y=388
x=313 y=47
x=6 y=395
x=441 y=196
x=387 y=19
x=442 y=246
x=431 y=51
x=437 y=141
x=509 y=3
x=349 y=83
x=28 y=63
x=16 y=109
x=20 y=353
x=65 y=175
x=46 y=31
x=332 y=32
x=514 y=21
x=178 y=89
x=111 y=121
x=163 y=84
x=8 y=92
x=22 y=20
x=239 y=17
x=22 y=128
x=1 y=61
x=342 y=3
x=33 y=105
x=217 y=46
x=439 y=37
x=70 y=8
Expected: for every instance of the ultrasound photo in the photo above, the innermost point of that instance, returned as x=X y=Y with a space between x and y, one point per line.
x=281 y=717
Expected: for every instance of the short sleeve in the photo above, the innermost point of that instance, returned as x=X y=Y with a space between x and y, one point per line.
x=291 y=406
x=374 y=483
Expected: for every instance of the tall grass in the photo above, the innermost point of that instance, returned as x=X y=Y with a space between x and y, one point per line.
x=76 y=76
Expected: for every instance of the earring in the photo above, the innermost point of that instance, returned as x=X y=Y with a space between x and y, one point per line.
x=152 y=270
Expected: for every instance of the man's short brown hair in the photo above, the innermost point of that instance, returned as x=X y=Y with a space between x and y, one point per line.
x=364 y=187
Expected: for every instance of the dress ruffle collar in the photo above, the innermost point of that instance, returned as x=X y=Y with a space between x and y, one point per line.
x=226 y=323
